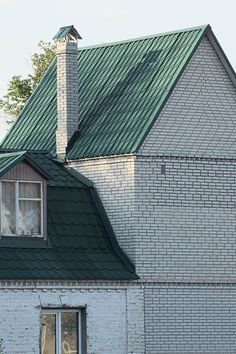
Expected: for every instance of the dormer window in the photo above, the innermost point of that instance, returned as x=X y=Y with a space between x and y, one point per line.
x=21 y=208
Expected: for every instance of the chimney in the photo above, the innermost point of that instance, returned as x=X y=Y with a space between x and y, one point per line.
x=67 y=87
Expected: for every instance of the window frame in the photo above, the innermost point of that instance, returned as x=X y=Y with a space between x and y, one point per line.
x=57 y=313
x=17 y=203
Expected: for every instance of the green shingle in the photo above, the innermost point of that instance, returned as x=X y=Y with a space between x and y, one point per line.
x=80 y=242
x=122 y=89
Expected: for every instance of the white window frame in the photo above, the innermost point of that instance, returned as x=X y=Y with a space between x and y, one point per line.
x=17 y=202
x=57 y=313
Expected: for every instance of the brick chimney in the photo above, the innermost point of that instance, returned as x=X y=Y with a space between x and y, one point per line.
x=67 y=87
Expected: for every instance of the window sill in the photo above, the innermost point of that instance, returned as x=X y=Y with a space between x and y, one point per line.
x=24 y=242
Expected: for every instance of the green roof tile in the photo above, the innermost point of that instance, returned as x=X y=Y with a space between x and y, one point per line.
x=122 y=88
x=9 y=160
x=80 y=241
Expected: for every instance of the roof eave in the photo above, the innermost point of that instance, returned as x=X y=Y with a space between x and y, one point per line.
x=23 y=156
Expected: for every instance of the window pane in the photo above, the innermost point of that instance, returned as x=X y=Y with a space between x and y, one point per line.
x=48 y=334
x=69 y=333
x=29 y=217
x=8 y=208
x=29 y=190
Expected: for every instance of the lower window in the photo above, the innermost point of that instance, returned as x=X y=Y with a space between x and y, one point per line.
x=61 y=332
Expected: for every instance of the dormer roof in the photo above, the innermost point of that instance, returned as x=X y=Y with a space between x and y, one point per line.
x=80 y=241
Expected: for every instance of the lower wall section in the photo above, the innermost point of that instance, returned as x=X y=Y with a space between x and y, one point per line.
x=114 y=316
x=126 y=318
x=187 y=319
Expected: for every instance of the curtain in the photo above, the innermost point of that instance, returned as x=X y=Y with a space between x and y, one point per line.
x=29 y=190
x=29 y=217
x=29 y=210
x=8 y=208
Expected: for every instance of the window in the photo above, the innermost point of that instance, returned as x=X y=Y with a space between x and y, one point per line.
x=21 y=208
x=61 y=332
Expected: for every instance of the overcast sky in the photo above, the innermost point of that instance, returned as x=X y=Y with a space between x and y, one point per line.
x=23 y=23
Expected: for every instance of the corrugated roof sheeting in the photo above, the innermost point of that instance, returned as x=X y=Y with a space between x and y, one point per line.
x=122 y=88
x=8 y=160
x=35 y=128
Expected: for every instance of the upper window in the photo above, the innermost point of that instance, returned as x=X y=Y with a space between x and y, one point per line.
x=21 y=205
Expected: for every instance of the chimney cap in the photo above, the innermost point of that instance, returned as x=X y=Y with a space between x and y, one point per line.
x=68 y=33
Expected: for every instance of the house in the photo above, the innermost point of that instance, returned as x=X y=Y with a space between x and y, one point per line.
x=148 y=126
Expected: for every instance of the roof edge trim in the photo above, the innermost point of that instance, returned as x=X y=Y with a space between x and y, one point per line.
x=23 y=156
x=222 y=56
x=119 y=252
x=81 y=178
x=18 y=158
x=36 y=167
x=110 y=44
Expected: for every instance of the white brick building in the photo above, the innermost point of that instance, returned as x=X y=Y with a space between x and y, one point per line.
x=156 y=135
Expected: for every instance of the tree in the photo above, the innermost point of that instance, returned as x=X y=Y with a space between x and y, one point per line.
x=1 y=346
x=20 y=89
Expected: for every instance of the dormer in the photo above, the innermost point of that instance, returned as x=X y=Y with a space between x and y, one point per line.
x=23 y=191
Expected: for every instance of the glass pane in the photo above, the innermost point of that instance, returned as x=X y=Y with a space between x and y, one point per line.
x=8 y=208
x=29 y=190
x=29 y=217
x=48 y=334
x=69 y=333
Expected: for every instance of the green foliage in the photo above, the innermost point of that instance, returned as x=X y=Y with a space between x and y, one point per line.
x=1 y=346
x=17 y=94
x=19 y=89
x=41 y=61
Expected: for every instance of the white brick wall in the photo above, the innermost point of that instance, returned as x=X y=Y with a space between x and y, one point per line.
x=179 y=226
x=114 y=179
x=174 y=226
x=114 y=316
x=199 y=118
x=190 y=318
x=186 y=218
x=67 y=93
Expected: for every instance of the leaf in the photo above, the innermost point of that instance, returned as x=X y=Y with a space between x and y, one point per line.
x=19 y=90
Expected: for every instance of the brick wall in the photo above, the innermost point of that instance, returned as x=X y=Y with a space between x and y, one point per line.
x=186 y=218
x=190 y=318
x=114 y=180
x=174 y=214
x=114 y=315
x=199 y=118
x=67 y=93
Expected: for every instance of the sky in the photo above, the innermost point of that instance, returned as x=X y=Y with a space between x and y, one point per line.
x=23 y=23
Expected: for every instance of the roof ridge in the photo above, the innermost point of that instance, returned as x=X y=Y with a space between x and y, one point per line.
x=161 y=34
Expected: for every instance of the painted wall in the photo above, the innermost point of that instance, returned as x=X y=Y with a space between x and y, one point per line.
x=114 y=315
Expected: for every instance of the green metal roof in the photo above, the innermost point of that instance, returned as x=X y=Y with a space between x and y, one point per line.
x=81 y=243
x=65 y=31
x=9 y=160
x=122 y=89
